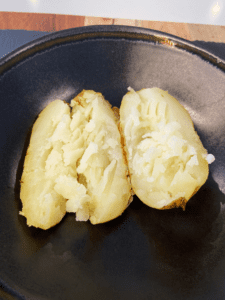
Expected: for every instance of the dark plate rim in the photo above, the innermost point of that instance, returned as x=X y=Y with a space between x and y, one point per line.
x=105 y=31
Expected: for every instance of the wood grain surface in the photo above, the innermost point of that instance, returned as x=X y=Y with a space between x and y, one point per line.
x=53 y=22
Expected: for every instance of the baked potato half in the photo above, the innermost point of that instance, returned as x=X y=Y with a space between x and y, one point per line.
x=166 y=159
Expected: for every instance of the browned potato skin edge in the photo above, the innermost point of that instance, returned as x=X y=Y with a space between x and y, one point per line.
x=181 y=202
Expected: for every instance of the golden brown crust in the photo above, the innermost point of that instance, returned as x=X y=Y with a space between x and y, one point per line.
x=116 y=112
x=180 y=202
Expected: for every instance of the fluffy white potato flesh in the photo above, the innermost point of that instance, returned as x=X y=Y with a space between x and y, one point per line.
x=75 y=163
x=167 y=161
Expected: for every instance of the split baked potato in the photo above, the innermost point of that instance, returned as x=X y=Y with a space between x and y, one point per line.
x=79 y=161
x=75 y=163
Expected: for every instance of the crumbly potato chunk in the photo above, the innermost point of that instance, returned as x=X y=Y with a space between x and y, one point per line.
x=75 y=163
x=167 y=161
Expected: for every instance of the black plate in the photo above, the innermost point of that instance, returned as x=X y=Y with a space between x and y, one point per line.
x=145 y=253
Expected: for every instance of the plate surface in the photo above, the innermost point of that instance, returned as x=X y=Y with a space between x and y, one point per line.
x=145 y=253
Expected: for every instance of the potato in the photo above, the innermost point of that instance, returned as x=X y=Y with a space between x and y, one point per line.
x=75 y=163
x=167 y=161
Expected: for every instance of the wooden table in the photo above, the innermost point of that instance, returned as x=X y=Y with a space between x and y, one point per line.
x=55 y=22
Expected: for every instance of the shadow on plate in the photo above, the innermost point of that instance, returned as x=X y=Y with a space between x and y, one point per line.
x=177 y=227
x=187 y=243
